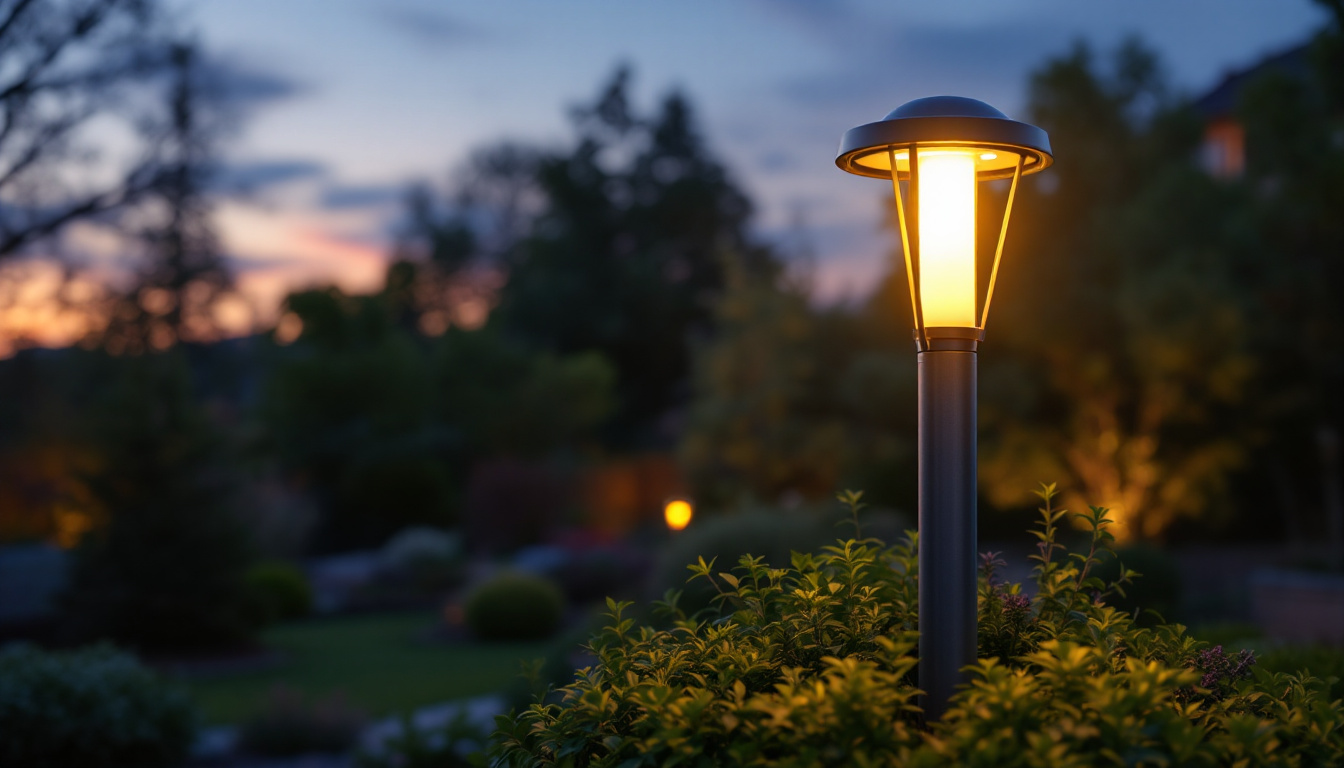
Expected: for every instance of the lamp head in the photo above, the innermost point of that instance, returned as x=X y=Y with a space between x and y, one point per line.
x=943 y=146
x=951 y=122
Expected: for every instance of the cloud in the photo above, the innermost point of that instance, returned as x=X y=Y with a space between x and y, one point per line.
x=431 y=28
x=245 y=85
x=884 y=55
x=249 y=177
x=248 y=263
x=903 y=61
x=826 y=20
x=340 y=197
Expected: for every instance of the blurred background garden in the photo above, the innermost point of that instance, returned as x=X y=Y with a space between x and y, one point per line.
x=352 y=352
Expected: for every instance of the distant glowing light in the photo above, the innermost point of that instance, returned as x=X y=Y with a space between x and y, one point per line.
x=289 y=329
x=677 y=513
x=71 y=525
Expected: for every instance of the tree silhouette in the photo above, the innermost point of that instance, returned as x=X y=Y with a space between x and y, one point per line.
x=183 y=274
x=63 y=65
x=614 y=245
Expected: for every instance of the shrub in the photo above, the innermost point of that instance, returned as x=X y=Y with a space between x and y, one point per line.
x=544 y=675
x=289 y=725
x=510 y=504
x=387 y=487
x=592 y=575
x=90 y=708
x=430 y=558
x=772 y=534
x=814 y=665
x=1321 y=661
x=277 y=591
x=515 y=606
x=1160 y=588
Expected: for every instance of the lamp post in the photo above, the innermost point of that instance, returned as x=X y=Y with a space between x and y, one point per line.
x=941 y=147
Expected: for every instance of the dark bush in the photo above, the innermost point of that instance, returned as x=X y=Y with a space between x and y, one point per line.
x=90 y=708
x=567 y=651
x=287 y=724
x=393 y=488
x=1319 y=661
x=515 y=606
x=164 y=574
x=511 y=504
x=591 y=575
x=1158 y=589
x=277 y=591
x=813 y=665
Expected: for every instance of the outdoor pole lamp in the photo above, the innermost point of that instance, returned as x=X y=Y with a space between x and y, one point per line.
x=942 y=147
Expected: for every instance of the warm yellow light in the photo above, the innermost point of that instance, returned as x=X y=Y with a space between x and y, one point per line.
x=677 y=513
x=988 y=156
x=947 y=237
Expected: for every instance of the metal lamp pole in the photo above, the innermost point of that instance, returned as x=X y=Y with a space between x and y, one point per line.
x=947 y=521
x=954 y=143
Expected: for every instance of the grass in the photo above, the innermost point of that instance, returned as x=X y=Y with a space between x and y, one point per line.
x=381 y=663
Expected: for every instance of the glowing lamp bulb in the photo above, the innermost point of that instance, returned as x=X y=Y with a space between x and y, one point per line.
x=677 y=513
x=947 y=237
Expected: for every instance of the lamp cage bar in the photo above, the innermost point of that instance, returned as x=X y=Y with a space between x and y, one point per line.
x=913 y=223
x=915 y=308
x=998 y=251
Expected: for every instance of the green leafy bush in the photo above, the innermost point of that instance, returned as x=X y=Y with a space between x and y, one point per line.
x=772 y=534
x=288 y=725
x=1324 y=662
x=515 y=606
x=277 y=591
x=91 y=708
x=815 y=665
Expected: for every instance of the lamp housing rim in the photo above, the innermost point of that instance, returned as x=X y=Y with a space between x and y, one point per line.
x=944 y=121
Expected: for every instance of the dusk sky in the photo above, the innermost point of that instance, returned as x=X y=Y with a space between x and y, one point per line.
x=353 y=99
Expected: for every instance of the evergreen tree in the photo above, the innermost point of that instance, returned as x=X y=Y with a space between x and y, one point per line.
x=184 y=275
x=164 y=573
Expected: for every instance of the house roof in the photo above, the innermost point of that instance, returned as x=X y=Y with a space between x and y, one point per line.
x=1222 y=100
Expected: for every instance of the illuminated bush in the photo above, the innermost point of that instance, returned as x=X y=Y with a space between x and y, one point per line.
x=815 y=665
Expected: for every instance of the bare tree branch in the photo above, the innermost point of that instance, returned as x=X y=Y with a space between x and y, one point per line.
x=65 y=64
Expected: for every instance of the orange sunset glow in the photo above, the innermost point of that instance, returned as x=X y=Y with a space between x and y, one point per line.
x=275 y=253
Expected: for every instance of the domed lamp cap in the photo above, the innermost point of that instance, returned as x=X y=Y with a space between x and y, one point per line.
x=947 y=122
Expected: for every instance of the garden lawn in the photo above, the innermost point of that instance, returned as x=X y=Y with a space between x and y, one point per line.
x=382 y=663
